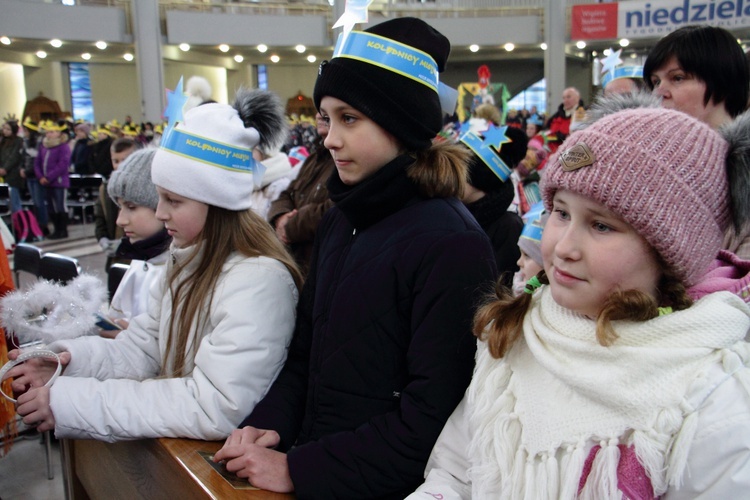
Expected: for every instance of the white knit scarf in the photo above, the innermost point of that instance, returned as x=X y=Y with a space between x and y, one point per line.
x=558 y=391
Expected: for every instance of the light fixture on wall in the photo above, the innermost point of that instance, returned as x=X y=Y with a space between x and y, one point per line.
x=85 y=56
x=41 y=54
x=239 y=58
x=624 y=42
x=509 y=47
x=543 y=46
x=262 y=48
x=474 y=47
x=4 y=40
x=300 y=48
x=184 y=47
x=224 y=47
x=101 y=45
x=275 y=58
x=127 y=56
x=311 y=58
x=56 y=43
x=581 y=44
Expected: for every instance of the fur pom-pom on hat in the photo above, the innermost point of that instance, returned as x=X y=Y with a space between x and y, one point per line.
x=198 y=90
x=661 y=170
x=208 y=156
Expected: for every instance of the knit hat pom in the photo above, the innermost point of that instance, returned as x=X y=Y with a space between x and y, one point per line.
x=132 y=180
x=208 y=156
x=662 y=171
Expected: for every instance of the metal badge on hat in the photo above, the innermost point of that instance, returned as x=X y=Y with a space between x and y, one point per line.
x=576 y=157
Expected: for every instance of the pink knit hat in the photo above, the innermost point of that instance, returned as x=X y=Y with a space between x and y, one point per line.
x=662 y=171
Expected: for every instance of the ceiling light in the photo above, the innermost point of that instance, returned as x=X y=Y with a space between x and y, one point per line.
x=184 y=47
x=300 y=48
x=239 y=58
x=275 y=58
x=607 y=52
x=85 y=56
x=474 y=47
x=624 y=42
x=127 y=56
x=262 y=48
x=224 y=47
x=509 y=47
x=311 y=58
x=101 y=45
x=56 y=43
x=41 y=54
x=633 y=55
x=581 y=44
x=543 y=46
x=4 y=40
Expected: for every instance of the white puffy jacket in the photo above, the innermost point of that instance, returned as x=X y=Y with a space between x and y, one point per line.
x=109 y=390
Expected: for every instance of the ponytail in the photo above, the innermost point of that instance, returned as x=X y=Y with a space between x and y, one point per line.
x=441 y=171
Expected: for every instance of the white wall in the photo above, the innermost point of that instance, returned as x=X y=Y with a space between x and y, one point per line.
x=288 y=81
x=13 y=96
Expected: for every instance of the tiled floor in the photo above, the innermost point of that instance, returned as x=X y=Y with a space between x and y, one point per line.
x=23 y=471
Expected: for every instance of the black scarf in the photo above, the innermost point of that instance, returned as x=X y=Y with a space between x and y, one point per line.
x=144 y=249
x=383 y=193
x=493 y=205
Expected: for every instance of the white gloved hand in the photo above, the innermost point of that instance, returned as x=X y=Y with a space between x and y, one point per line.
x=105 y=243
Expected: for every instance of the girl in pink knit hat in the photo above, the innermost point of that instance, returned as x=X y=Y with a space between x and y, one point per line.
x=605 y=379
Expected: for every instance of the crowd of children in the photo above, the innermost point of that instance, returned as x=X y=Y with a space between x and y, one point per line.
x=471 y=313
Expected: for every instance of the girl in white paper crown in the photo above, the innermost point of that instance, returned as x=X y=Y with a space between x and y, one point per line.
x=217 y=327
x=605 y=380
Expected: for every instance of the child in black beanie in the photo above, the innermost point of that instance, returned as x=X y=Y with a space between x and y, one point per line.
x=383 y=350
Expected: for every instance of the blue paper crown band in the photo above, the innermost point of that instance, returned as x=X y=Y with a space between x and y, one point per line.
x=532 y=231
x=210 y=152
x=622 y=72
x=487 y=155
x=389 y=54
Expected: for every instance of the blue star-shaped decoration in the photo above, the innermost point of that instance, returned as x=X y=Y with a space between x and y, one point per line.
x=610 y=62
x=495 y=137
x=464 y=128
x=175 y=102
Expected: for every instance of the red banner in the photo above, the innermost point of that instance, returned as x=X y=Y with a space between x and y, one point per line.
x=594 y=22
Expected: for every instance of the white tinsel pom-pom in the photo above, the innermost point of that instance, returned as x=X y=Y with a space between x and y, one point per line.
x=48 y=311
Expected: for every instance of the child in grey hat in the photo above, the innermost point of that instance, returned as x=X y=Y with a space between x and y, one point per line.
x=146 y=242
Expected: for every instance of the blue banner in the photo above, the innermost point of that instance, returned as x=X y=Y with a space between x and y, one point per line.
x=210 y=152
x=487 y=155
x=389 y=54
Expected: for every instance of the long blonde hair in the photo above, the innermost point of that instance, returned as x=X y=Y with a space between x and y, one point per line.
x=225 y=231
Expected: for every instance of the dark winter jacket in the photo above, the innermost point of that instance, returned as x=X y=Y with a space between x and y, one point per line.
x=383 y=349
x=503 y=228
x=12 y=161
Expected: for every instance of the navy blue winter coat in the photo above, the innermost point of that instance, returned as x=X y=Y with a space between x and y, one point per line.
x=383 y=350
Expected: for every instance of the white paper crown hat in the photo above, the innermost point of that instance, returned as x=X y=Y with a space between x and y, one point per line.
x=207 y=157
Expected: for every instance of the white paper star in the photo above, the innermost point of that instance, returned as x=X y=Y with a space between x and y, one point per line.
x=610 y=62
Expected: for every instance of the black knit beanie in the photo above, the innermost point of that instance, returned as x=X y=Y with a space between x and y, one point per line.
x=407 y=109
x=482 y=177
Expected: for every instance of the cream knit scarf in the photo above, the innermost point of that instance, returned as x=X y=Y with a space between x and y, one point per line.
x=535 y=413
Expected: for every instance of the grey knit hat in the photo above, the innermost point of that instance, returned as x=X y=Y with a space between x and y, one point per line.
x=132 y=180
